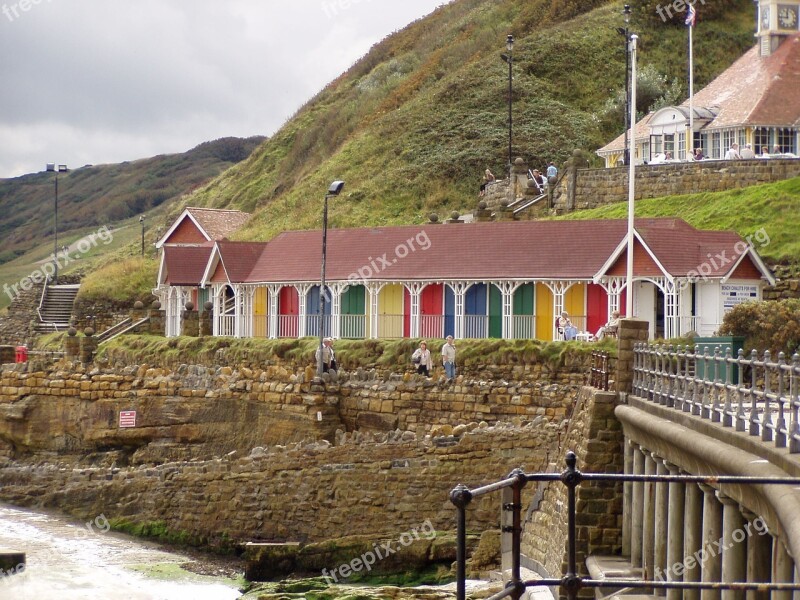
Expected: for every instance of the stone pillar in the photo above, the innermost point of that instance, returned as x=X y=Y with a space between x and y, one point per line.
x=649 y=518
x=637 y=508
x=675 y=556
x=661 y=517
x=206 y=325
x=627 y=494
x=734 y=553
x=482 y=213
x=712 y=532
x=782 y=568
x=571 y=178
x=190 y=321
x=156 y=318
x=629 y=333
x=72 y=345
x=759 y=555
x=693 y=537
x=519 y=179
x=88 y=345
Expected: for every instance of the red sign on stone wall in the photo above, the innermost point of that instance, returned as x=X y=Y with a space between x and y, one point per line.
x=127 y=418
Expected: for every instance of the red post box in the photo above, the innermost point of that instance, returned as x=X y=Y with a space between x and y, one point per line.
x=22 y=354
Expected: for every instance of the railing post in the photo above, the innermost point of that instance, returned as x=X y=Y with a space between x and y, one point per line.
x=715 y=416
x=727 y=414
x=460 y=496
x=516 y=533
x=780 y=426
x=794 y=400
x=741 y=422
x=705 y=402
x=755 y=425
x=766 y=419
x=571 y=477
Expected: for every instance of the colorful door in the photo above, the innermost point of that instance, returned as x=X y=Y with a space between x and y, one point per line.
x=288 y=312
x=260 y=310
x=475 y=311
x=575 y=305
x=390 y=311
x=545 y=320
x=431 y=305
x=495 y=312
x=449 y=311
x=596 y=307
x=523 y=327
x=312 y=312
x=353 y=310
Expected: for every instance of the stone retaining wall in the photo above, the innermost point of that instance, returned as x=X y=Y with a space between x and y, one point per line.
x=375 y=485
x=596 y=187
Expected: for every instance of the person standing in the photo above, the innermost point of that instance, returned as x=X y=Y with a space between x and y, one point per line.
x=328 y=355
x=422 y=359
x=747 y=152
x=733 y=152
x=449 y=358
x=552 y=173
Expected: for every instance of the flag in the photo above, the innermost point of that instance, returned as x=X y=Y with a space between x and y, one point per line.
x=690 y=18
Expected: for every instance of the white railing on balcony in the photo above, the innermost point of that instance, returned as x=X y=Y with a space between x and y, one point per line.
x=353 y=326
x=288 y=326
x=431 y=326
x=476 y=326
x=759 y=396
x=523 y=327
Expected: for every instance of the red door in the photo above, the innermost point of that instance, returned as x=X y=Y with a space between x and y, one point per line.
x=431 y=310
x=288 y=311
x=596 y=307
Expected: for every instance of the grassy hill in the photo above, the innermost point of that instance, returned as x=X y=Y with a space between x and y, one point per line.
x=93 y=196
x=412 y=125
x=759 y=212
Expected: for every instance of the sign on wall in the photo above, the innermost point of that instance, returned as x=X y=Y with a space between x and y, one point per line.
x=733 y=294
x=127 y=418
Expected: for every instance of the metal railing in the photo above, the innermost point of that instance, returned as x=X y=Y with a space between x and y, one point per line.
x=598 y=373
x=571 y=582
x=757 y=396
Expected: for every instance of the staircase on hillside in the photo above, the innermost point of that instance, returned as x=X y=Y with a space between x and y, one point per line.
x=55 y=308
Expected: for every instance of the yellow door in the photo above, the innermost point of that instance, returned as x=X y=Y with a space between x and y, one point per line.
x=544 y=312
x=260 y=309
x=390 y=311
x=575 y=305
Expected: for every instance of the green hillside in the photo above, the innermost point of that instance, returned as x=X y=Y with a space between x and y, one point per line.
x=759 y=212
x=412 y=125
x=94 y=196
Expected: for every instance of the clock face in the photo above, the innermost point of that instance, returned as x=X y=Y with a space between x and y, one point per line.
x=765 y=17
x=787 y=17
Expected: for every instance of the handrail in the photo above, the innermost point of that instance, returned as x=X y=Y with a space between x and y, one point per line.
x=530 y=203
x=111 y=330
x=41 y=304
x=131 y=327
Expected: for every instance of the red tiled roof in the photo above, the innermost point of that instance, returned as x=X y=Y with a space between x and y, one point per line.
x=757 y=90
x=476 y=251
x=186 y=264
x=218 y=223
x=239 y=258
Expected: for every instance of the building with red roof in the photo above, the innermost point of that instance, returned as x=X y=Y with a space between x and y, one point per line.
x=756 y=101
x=478 y=280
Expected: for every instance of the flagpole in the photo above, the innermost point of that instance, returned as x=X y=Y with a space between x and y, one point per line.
x=631 y=186
x=691 y=90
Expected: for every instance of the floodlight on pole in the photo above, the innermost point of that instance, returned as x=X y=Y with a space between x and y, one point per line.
x=334 y=190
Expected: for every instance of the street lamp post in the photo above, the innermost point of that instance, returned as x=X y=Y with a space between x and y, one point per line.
x=52 y=168
x=509 y=58
x=141 y=221
x=626 y=11
x=334 y=190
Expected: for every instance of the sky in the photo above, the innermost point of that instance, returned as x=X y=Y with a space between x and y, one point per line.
x=104 y=81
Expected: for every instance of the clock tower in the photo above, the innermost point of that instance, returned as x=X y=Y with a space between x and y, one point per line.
x=777 y=19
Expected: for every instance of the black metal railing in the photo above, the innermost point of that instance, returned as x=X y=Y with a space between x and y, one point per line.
x=598 y=373
x=571 y=582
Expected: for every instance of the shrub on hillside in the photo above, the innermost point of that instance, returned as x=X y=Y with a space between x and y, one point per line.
x=773 y=326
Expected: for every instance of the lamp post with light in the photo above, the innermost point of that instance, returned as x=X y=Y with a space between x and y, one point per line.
x=52 y=168
x=334 y=190
x=509 y=58
x=141 y=222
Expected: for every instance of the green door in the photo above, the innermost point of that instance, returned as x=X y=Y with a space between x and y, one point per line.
x=523 y=312
x=495 y=312
x=353 y=312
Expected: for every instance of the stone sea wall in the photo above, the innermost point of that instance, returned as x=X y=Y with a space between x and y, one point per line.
x=362 y=484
